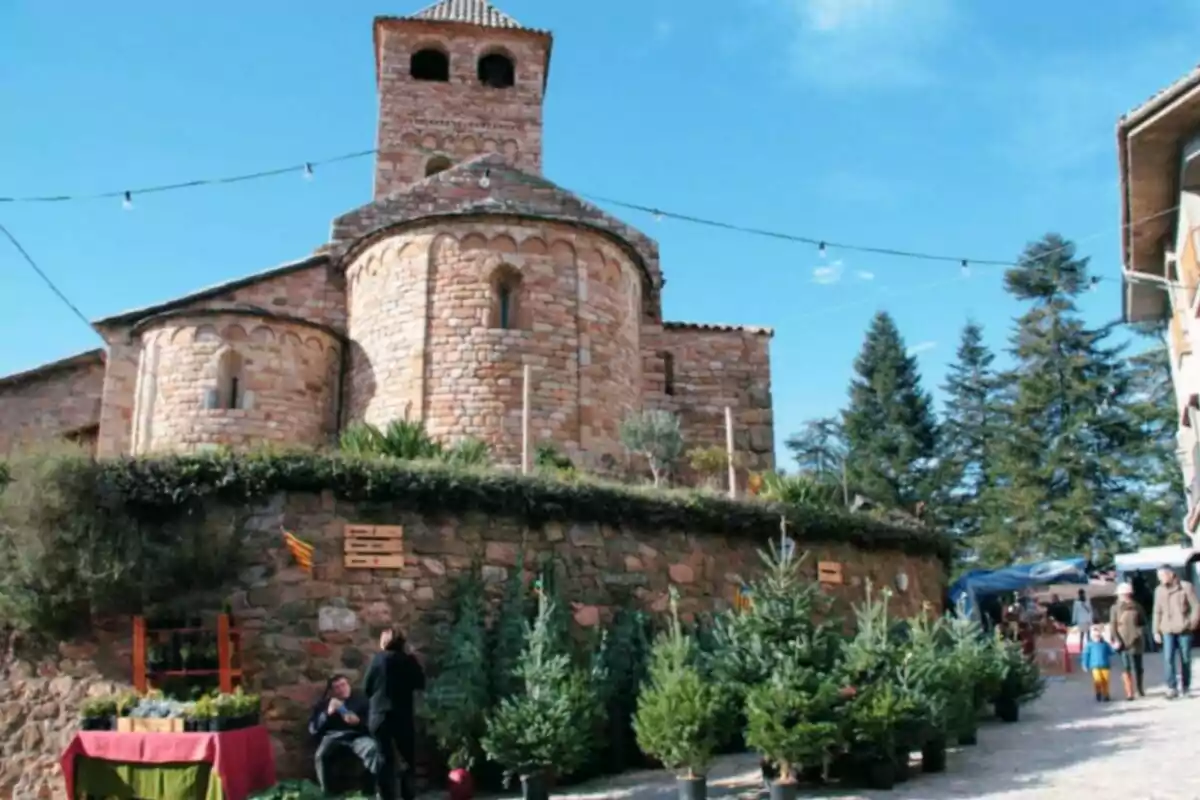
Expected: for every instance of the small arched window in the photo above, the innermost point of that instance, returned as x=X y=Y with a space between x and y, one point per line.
x=230 y=389
x=429 y=64
x=437 y=164
x=497 y=71
x=506 y=298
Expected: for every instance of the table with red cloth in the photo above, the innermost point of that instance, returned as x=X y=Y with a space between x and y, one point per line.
x=227 y=765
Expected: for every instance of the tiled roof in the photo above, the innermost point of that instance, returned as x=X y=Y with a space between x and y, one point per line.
x=718 y=328
x=90 y=358
x=471 y=12
x=1162 y=97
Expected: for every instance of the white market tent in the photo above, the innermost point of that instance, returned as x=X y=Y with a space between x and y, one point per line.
x=1151 y=558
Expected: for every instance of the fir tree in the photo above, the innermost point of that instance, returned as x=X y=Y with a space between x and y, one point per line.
x=890 y=428
x=968 y=436
x=819 y=448
x=1060 y=469
x=507 y=639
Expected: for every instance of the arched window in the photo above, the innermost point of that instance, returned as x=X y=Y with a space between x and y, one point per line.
x=497 y=71
x=506 y=298
x=437 y=164
x=230 y=389
x=429 y=64
x=668 y=373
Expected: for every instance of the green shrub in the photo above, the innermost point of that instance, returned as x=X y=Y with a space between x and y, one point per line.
x=657 y=437
x=792 y=719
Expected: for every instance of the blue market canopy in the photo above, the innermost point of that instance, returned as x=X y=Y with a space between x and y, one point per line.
x=1151 y=558
x=982 y=582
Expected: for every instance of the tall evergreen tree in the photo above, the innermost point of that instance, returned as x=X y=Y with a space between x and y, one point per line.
x=968 y=437
x=1060 y=468
x=890 y=428
x=820 y=447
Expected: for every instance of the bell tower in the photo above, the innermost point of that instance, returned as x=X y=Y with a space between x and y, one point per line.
x=457 y=79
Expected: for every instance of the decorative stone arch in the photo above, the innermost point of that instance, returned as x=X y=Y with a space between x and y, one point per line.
x=506 y=306
x=436 y=164
x=430 y=63
x=496 y=68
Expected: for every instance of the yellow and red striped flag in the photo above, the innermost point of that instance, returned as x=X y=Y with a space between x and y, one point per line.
x=300 y=550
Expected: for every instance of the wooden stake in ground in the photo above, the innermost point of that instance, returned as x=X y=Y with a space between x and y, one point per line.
x=729 y=451
x=525 y=420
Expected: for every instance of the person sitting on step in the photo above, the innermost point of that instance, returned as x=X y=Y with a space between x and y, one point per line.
x=339 y=724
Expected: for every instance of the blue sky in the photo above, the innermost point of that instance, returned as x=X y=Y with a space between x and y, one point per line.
x=962 y=128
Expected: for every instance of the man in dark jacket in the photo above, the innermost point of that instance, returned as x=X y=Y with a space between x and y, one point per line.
x=339 y=724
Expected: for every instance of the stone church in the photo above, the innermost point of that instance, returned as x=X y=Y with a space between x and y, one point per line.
x=427 y=302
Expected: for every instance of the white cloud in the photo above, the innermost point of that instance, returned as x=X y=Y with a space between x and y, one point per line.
x=866 y=43
x=864 y=275
x=825 y=275
x=923 y=347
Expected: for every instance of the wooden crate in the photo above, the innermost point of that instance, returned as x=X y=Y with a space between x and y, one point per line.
x=149 y=725
x=829 y=572
x=374 y=547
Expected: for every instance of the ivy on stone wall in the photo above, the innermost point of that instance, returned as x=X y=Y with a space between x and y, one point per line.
x=160 y=484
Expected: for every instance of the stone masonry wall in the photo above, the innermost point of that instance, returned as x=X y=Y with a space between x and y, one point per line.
x=286 y=371
x=55 y=400
x=312 y=290
x=302 y=628
x=459 y=118
x=424 y=341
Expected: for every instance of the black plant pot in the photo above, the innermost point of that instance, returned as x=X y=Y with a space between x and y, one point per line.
x=933 y=755
x=96 y=724
x=880 y=774
x=1008 y=709
x=901 y=763
x=783 y=791
x=968 y=739
x=813 y=774
x=534 y=787
x=692 y=788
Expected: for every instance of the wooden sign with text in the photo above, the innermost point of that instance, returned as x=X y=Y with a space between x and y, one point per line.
x=374 y=547
x=829 y=572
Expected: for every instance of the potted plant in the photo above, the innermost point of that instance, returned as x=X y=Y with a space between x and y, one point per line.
x=974 y=674
x=678 y=710
x=225 y=713
x=875 y=716
x=126 y=702
x=792 y=721
x=200 y=715
x=456 y=700
x=155 y=658
x=97 y=713
x=547 y=724
x=931 y=679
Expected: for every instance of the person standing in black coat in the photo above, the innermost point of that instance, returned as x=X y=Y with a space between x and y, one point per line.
x=393 y=677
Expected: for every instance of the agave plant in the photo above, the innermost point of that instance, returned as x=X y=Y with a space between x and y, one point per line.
x=401 y=438
x=468 y=452
x=798 y=490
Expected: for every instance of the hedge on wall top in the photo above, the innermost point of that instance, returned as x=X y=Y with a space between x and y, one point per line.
x=162 y=484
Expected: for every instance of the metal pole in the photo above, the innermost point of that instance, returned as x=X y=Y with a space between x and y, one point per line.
x=525 y=421
x=729 y=451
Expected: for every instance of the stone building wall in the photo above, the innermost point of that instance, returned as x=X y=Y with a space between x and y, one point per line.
x=427 y=343
x=459 y=118
x=301 y=628
x=235 y=379
x=59 y=399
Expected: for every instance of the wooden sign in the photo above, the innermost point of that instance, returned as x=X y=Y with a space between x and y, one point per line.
x=149 y=725
x=374 y=547
x=829 y=572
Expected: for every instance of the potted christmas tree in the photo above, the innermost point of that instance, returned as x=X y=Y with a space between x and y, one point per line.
x=932 y=680
x=547 y=723
x=792 y=721
x=877 y=715
x=678 y=710
x=456 y=701
x=974 y=673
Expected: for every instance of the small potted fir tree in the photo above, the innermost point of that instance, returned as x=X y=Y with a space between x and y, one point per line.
x=678 y=710
x=792 y=721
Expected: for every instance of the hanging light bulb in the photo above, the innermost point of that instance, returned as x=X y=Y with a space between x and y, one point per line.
x=966 y=269
x=821 y=249
x=127 y=201
x=658 y=216
x=1093 y=283
x=308 y=172
x=486 y=180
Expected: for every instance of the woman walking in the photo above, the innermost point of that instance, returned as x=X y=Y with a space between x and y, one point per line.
x=392 y=678
x=1127 y=622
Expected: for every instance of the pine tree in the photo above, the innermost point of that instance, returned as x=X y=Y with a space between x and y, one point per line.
x=1157 y=502
x=819 y=448
x=890 y=428
x=1061 y=467
x=968 y=437
x=508 y=633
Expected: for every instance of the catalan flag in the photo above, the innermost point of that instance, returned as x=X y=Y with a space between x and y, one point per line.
x=742 y=600
x=300 y=550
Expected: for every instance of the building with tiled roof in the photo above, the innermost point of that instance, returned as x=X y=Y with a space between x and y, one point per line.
x=427 y=302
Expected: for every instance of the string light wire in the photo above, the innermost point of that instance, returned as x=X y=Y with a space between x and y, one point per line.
x=33 y=265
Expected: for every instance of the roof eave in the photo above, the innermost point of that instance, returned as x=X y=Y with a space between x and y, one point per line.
x=85 y=359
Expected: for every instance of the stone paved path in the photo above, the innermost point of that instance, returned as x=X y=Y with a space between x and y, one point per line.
x=1066 y=747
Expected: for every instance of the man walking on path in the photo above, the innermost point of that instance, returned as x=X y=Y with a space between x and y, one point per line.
x=1176 y=615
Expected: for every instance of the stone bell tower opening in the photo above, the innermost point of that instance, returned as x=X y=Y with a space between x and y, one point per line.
x=456 y=80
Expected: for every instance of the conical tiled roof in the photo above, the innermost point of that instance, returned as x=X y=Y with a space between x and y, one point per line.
x=471 y=12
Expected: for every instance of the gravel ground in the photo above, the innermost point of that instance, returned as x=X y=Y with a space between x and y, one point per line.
x=1138 y=750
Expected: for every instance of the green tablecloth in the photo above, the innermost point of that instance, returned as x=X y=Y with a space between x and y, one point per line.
x=111 y=780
